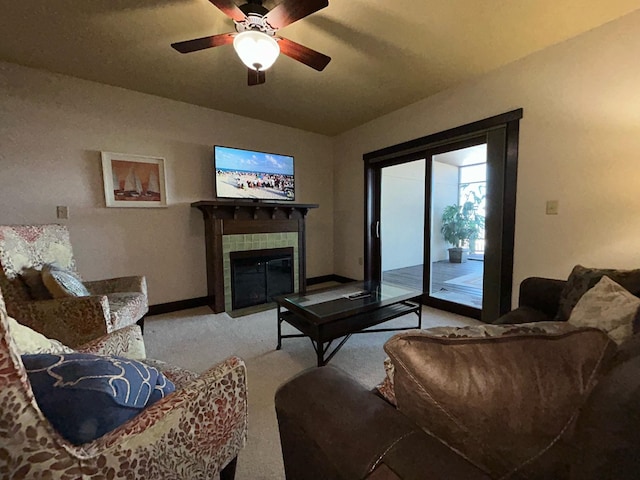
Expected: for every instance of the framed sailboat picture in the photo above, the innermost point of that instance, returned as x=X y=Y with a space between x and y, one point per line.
x=133 y=180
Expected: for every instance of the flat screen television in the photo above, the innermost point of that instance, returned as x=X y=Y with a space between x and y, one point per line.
x=251 y=175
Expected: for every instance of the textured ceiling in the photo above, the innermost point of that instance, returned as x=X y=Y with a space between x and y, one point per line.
x=385 y=53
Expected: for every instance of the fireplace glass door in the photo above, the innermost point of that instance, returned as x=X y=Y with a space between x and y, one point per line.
x=257 y=277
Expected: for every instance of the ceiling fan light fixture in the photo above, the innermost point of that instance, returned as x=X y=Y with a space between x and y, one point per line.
x=256 y=49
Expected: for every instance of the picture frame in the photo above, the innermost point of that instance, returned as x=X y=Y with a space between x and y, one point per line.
x=133 y=181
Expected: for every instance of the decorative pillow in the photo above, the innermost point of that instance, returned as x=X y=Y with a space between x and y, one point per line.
x=63 y=283
x=386 y=387
x=32 y=278
x=609 y=307
x=30 y=341
x=503 y=402
x=582 y=279
x=85 y=396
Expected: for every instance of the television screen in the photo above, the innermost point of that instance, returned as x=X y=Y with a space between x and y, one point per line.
x=251 y=175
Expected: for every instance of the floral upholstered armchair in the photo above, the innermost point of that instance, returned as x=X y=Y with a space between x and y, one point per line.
x=43 y=290
x=194 y=433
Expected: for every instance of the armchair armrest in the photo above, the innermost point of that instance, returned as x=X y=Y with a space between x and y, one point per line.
x=125 y=342
x=331 y=428
x=136 y=283
x=71 y=320
x=164 y=434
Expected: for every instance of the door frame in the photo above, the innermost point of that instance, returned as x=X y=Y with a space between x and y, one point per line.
x=501 y=133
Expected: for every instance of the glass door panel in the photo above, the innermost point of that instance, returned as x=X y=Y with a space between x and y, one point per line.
x=401 y=227
x=458 y=193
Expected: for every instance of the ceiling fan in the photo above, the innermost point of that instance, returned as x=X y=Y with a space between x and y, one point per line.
x=255 y=39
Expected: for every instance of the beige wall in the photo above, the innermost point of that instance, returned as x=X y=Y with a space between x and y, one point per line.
x=52 y=129
x=579 y=144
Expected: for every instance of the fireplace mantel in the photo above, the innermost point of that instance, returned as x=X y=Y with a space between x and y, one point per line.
x=240 y=217
x=252 y=210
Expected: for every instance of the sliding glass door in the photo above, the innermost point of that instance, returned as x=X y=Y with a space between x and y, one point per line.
x=440 y=215
x=457 y=235
x=401 y=228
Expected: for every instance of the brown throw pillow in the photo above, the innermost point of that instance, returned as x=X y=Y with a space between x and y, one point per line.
x=502 y=402
x=32 y=278
x=582 y=279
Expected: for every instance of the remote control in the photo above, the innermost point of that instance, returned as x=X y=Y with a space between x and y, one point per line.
x=356 y=295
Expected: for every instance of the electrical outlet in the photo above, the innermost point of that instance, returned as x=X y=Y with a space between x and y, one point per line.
x=552 y=207
x=62 y=212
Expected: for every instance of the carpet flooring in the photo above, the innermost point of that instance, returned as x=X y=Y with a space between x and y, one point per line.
x=198 y=339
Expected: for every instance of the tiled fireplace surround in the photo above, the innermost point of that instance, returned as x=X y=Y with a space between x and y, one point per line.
x=242 y=226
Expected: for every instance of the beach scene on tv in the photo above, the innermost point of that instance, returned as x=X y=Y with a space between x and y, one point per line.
x=253 y=175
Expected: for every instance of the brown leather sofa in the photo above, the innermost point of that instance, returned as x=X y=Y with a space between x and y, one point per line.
x=532 y=404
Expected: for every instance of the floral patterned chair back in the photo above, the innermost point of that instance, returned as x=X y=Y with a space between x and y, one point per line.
x=24 y=247
x=72 y=315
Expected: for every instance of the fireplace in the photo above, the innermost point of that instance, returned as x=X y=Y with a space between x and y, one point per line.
x=259 y=275
x=241 y=226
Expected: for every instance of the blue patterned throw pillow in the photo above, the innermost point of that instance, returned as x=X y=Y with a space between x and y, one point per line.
x=85 y=396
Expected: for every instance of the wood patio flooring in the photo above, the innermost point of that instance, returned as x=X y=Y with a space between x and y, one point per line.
x=441 y=272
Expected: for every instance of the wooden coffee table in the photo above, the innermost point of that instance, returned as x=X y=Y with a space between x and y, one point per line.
x=339 y=312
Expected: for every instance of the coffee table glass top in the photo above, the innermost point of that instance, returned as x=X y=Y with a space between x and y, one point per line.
x=347 y=298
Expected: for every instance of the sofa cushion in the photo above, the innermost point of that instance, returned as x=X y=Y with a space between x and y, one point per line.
x=85 y=396
x=503 y=402
x=628 y=349
x=30 y=341
x=63 y=283
x=582 y=279
x=607 y=434
x=609 y=307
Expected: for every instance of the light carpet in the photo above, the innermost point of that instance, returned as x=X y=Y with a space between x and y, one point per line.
x=196 y=339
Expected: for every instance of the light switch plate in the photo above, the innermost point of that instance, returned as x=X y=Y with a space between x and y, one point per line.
x=62 y=212
x=552 y=207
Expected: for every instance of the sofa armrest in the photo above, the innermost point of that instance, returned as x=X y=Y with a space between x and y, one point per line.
x=136 y=284
x=124 y=342
x=542 y=294
x=71 y=320
x=331 y=427
x=522 y=315
x=201 y=426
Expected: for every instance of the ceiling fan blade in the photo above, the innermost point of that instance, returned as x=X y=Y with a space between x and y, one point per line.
x=230 y=9
x=303 y=54
x=204 y=42
x=289 y=11
x=255 y=77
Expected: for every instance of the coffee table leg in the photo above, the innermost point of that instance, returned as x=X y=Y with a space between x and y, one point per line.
x=279 y=346
x=320 y=354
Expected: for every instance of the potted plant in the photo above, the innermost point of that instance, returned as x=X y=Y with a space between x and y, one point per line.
x=460 y=225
